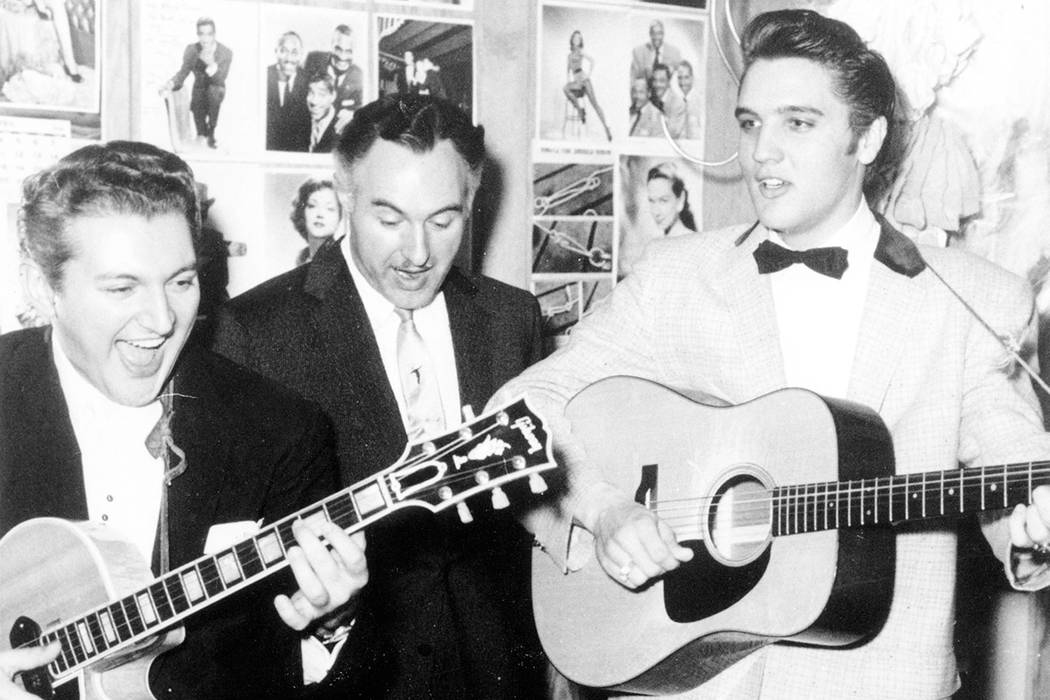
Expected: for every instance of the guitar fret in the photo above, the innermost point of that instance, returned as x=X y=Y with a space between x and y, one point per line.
x=61 y=664
x=107 y=627
x=146 y=608
x=133 y=615
x=176 y=593
x=159 y=599
x=369 y=498
x=95 y=626
x=69 y=638
x=213 y=584
x=794 y=507
x=85 y=638
x=120 y=620
x=192 y=584
x=270 y=549
x=248 y=558
x=875 y=503
x=342 y=511
x=285 y=534
x=229 y=571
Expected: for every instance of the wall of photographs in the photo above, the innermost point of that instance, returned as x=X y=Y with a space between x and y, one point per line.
x=606 y=179
x=579 y=162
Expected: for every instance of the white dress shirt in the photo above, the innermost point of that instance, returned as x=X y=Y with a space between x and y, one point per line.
x=122 y=480
x=818 y=317
x=433 y=326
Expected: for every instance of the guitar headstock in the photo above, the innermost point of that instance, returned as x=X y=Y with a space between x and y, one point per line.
x=501 y=446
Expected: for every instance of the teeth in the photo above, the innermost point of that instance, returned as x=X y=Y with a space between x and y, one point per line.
x=772 y=182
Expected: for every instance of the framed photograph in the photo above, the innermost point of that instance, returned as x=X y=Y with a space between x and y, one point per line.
x=50 y=62
x=429 y=57
x=197 y=93
x=658 y=197
x=572 y=246
x=314 y=68
x=572 y=189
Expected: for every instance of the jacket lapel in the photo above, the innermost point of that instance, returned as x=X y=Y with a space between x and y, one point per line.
x=472 y=340
x=891 y=311
x=358 y=381
x=749 y=297
x=42 y=473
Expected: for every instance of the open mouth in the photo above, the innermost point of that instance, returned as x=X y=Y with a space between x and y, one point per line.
x=140 y=353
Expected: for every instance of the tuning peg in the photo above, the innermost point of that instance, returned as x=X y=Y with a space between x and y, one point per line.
x=468 y=413
x=499 y=499
x=537 y=484
x=464 y=513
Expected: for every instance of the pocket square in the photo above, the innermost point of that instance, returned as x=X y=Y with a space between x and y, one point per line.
x=225 y=535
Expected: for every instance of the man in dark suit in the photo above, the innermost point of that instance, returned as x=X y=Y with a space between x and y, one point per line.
x=346 y=75
x=108 y=415
x=209 y=61
x=451 y=602
x=320 y=101
x=287 y=118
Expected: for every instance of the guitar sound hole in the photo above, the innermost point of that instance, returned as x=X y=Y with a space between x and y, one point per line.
x=738 y=520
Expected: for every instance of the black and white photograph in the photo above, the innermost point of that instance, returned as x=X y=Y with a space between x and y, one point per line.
x=578 y=245
x=51 y=61
x=317 y=76
x=198 y=93
x=426 y=57
x=659 y=197
x=572 y=189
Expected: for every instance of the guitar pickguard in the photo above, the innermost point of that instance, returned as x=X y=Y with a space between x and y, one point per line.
x=704 y=586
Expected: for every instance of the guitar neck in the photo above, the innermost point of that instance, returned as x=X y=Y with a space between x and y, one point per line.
x=505 y=445
x=196 y=585
x=881 y=500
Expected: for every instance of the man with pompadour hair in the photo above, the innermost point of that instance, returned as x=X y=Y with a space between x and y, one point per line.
x=823 y=294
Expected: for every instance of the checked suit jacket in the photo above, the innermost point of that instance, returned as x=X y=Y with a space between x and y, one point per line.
x=695 y=315
x=450 y=602
x=254 y=451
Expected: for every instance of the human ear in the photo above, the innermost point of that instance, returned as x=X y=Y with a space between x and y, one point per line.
x=37 y=289
x=871 y=141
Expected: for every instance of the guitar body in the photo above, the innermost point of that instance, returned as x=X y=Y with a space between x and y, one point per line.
x=744 y=589
x=51 y=570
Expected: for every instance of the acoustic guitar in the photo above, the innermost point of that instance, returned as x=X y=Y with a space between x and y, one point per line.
x=786 y=501
x=79 y=585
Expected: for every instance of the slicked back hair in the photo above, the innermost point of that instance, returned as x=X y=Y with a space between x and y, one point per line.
x=116 y=178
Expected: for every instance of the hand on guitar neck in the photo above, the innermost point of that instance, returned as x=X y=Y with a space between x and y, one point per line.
x=14 y=661
x=329 y=581
x=632 y=544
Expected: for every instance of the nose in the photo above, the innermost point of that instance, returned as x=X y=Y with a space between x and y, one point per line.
x=766 y=145
x=157 y=314
x=416 y=245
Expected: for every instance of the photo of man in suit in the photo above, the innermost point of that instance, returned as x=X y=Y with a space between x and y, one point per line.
x=643 y=116
x=645 y=57
x=667 y=101
x=391 y=338
x=287 y=116
x=320 y=101
x=108 y=414
x=209 y=62
x=875 y=320
x=346 y=75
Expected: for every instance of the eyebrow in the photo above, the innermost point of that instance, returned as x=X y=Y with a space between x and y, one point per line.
x=786 y=109
x=113 y=276
x=455 y=208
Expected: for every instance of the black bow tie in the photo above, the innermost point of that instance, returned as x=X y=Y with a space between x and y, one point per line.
x=827 y=261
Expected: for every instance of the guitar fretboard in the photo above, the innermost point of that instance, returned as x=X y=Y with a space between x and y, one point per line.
x=182 y=591
x=838 y=504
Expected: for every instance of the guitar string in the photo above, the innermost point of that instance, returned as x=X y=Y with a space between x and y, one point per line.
x=421 y=459
x=897 y=492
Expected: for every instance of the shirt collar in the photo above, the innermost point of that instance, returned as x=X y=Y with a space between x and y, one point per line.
x=88 y=405
x=378 y=307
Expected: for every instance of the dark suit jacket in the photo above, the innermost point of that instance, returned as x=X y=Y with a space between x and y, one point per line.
x=451 y=601
x=254 y=450
x=287 y=126
x=328 y=139
x=191 y=63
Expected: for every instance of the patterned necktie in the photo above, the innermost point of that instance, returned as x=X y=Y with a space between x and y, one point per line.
x=285 y=92
x=315 y=135
x=423 y=410
x=827 y=261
